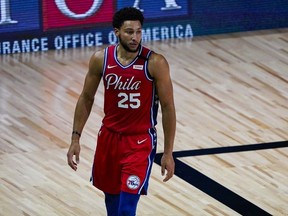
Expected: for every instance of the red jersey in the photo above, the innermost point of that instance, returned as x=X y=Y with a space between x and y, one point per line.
x=131 y=103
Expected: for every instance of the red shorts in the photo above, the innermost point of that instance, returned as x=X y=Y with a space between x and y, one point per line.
x=123 y=162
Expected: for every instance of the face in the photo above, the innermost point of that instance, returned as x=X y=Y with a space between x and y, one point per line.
x=130 y=35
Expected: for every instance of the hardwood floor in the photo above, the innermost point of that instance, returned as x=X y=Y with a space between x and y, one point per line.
x=230 y=91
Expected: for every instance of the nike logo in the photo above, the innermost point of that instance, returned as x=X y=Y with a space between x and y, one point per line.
x=111 y=66
x=141 y=141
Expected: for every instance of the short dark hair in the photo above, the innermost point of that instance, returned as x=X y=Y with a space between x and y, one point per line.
x=127 y=13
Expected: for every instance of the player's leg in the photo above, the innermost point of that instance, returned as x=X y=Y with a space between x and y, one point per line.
x=112 y=204
x=136 y=169
x=106 y=174
x=106 y=171
x=128 y=204
x=137 y=164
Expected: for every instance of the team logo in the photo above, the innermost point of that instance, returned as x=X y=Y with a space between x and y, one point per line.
x=133 y=182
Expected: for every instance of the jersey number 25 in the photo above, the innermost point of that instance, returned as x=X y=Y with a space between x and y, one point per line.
x=129 y=100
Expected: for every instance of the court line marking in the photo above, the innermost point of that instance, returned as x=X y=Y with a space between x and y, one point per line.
x=213 y=188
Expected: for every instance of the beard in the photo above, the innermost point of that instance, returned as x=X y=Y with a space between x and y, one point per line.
x=126 y=47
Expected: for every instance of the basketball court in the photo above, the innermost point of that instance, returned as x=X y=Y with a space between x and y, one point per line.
x=231 y=148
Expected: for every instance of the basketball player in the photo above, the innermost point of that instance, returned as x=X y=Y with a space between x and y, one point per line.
x=135 y=79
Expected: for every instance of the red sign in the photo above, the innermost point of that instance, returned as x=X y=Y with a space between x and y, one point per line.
x=70 y=13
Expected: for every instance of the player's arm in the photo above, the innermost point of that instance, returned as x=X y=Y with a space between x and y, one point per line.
x=159 y=70
x=84 y=105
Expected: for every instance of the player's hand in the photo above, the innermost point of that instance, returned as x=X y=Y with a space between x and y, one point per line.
x=168 y=164
x=73 y=150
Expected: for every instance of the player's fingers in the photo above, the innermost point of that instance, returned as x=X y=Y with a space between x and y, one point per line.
x=168 y=176
x=77 y=158
x=70 y=161
x=163 y=170
x=170 y=168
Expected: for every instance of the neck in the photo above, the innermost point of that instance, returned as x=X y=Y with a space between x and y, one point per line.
x=124 y=55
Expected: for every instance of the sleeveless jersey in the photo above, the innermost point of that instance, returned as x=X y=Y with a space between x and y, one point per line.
x=130 y=100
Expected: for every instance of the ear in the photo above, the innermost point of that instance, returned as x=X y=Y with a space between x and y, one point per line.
x=116 y=31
